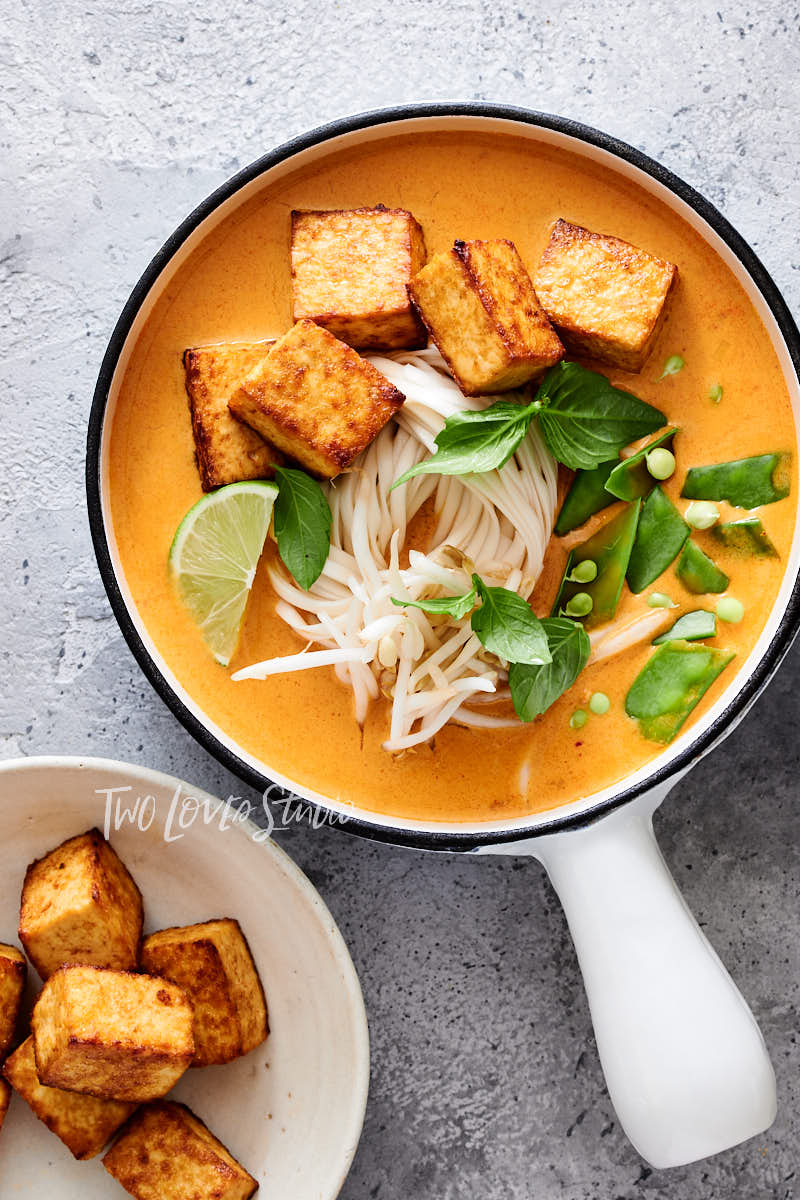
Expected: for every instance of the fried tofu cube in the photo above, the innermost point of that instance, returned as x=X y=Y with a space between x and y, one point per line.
x=166 y=1153
x=83 y=1123
x=350 y=273
x=112 y=1034
x=226 y=450
x=80 y=904
x=5 y=1100
x=480 y=308
x=316 y=399
x=213 y=964
x=606 y=298
x=13 y=972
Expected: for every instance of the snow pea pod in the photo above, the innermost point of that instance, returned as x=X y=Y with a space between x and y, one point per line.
x=744 y=482
x=586 y=496
x=691 y=627
x=670 y=684
x=610 y=550
x=631 y=478
x=746 y=537
x=659 y=540
x=698 y=573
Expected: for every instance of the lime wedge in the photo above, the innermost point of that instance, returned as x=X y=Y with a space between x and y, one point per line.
x=214 y=555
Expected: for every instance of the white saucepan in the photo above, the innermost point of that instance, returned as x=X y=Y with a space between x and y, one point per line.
x=685 y=1063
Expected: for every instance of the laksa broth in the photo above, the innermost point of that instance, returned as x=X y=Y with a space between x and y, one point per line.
x=598 y=467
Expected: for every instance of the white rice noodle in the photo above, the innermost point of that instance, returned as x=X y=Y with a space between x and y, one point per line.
x=497 y=524
x=302 y=662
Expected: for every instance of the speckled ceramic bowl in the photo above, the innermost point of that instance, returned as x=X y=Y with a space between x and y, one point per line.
x=291 y=1111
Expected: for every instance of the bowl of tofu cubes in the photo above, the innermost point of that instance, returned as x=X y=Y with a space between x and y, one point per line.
x=179 y=1015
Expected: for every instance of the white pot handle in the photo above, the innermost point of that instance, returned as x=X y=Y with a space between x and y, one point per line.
x=685 y=1062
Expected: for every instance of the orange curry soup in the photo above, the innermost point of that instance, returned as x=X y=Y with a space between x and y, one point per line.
x=236 y=287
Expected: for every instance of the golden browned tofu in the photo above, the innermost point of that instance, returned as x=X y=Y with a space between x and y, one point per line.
x=166 y=1153
x=80 y=904
x=112 y=1034
x=480 y=308
x=83 y=1123
x=316 y=399
x=227 y=451
x=13 y=972
x=5 y=1100
x=606 y=297
x=350 y=272
x=213 y=964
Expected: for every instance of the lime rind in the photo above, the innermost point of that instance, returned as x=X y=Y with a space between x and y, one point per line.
x=214 y=556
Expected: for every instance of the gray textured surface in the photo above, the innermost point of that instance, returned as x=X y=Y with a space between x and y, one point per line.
x=117 y=119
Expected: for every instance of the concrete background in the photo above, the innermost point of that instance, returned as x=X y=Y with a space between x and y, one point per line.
x=115 y=120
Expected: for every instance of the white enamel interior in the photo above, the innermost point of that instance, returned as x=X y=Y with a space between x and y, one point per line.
x=423 y=125
x=291 y=1111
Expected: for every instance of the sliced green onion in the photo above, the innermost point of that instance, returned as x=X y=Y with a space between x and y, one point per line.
x=599 y=703
x=578 y=719
x=701 y=514
x=730 y=609
x=715 y=393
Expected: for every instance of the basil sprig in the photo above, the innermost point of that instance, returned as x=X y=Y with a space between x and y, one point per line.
x=302 y=523
x=545 y=657
x=507 y=627
x=585 y=421
x=504 y=622
x=476 y=442
x=454 y=606
x=534 y=689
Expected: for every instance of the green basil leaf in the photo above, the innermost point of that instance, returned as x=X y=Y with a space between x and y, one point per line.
x=744 y=483
x=670 y=684
x=472 y=443
x=302 y=523
x=586 y=421
x=535 y=688
x=507 y=626
x=455 y=606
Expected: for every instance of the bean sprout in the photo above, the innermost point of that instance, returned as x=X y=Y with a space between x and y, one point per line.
x=498 y=524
